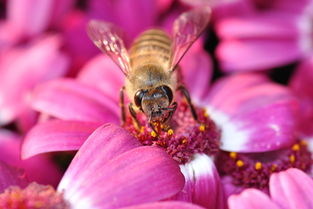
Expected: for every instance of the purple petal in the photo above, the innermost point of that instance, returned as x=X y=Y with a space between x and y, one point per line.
x=22 y=69
x=31 y=17
x=251 y=199
x=197 y=71
x=254 y=114
x=203 y=186
x=40 y=168
x=229 y=188
x=71 y=100
x=271 y=25
x=292 y=189
x=300 y=84
x=56 y=135
x=164 y=205
x=10 y=176
x=102 y=73
x=114 y=168
x=257 y=54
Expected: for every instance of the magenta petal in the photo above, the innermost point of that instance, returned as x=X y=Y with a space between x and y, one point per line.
x=56 y=135
x=31 y=17
x=197 y=71
x=165 y=205
x=249 y=110
x=70 y=100
x=251 y=199
x=108 y=172
x=292 y=189
x=254 y=54
x=22 y=69
x=101 y=72
x=40 y=168
x=268 y=25
x=300 y=84
x=203 y=186
x=10 y=176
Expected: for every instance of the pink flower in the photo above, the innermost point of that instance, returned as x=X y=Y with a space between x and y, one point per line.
x=110 y=170
x=288 y=189
x=21 y=68
x=269 y=34
x=39 y=168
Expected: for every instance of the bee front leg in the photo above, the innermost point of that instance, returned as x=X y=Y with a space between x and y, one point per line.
x=134 y=115
x=187 y=96
x=122 y=105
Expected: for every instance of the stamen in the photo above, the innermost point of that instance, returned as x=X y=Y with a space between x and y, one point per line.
x=182 y=137
x=34 y=196
x=254 y=170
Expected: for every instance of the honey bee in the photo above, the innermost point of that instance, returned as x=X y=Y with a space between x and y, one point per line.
x=151 y=62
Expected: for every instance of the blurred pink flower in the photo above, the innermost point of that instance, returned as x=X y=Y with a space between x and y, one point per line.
x=21 y=69
x=39 y=168
x=267 y=34
x=288 y=190
x=96 y=177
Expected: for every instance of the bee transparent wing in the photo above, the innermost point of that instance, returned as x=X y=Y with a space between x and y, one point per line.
x=186 y=30
x=107 y=38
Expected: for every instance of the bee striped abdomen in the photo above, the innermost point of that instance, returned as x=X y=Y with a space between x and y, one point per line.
x=151 y=47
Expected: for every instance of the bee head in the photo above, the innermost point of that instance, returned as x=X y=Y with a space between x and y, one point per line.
x=154 y=102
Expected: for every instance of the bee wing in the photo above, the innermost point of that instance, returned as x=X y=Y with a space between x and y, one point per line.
x=186 y=30
x=107 y=38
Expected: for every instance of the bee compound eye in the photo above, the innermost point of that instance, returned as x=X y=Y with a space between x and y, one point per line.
x=138 y=98
x=168 y=92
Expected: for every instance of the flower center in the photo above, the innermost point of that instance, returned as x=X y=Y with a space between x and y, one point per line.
x=33 y=196
x=182 y=137
x=254 y=170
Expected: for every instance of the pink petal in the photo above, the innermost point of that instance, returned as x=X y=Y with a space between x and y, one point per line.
x=70 y=100
x=251 y=199
x=300 y=84
x=254 y=114
x=114 y=169
x=31 y=17
x=203 y=186
x=10 y=176
x=292 y=189
x=102 y=73
x=257 y=54
x=22 y=69
x=164 y=205
x=60 y=9
x=229 y=188
x=8 y=35
x=197 y=71
x=271 y=25
x=56 y=135
x=40 y=168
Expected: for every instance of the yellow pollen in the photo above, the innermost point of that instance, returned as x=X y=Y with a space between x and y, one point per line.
x=184 y=141
x=296 y=147
x=170 y=132
x=233 y=155
x=240 y=163
x=273 y=167
x=202 y=127
x=292 y=158
x=303 y=142
x=153 y=134
x=205 y=114
x=258 y=165
x=142 y=129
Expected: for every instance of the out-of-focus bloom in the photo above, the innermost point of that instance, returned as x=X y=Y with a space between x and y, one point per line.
x=22 y=68
x=39 y=168
x=110 y=170
x=289 y=189
x=269 y=34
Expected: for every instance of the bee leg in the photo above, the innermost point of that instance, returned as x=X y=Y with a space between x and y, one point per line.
x=122 y=105
x=171 y=113
x=187 y=96
x=134 y=115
